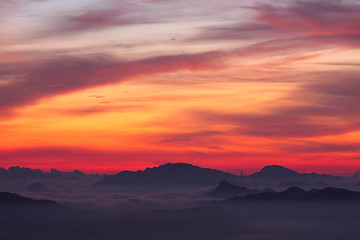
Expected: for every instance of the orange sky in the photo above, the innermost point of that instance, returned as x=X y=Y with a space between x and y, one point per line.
x=104 y=86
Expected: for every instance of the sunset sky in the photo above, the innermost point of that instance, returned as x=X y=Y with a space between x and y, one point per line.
x=111 y=85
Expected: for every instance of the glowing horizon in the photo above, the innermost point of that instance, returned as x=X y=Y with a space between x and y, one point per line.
x=104 y=86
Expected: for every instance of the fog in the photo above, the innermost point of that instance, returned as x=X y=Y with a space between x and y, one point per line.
x=82 y=209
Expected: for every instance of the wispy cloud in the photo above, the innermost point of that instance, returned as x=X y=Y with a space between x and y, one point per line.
x=322 y=18
x=68 y=74
x=332 y=96
x=295 y=27
x=95 y=20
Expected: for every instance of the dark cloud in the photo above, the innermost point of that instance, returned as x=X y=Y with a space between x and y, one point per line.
x=347 y=86
x=95 y=19
x=68 y=74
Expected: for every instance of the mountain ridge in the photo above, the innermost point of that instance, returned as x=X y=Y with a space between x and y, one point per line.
x=226 y=189
x=188 y=174
x=13 y=199
x=17 y=172
x=277 y=173
x=292 y=194
x=170 y=173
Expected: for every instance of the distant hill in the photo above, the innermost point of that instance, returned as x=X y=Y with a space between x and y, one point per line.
x=24 y=173
x=227 y=190
x=303 y=184
x=276 y=173
x=169 y=174
x=298 y=194
x=31 y=219
x=12 y=199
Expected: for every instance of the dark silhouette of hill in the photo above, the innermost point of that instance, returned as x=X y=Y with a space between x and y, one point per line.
x=178 y=173
x=23 y=173
x=334 y=194
x=31 y=219
x=227 y=190
x=276 y=173
x=169 y=174
x=303 y=184
x=297 y=194
x=12 y=199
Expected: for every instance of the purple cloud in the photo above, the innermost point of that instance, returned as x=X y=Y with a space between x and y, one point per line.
x=297 y=27
x=96 y=19
x=68 y=74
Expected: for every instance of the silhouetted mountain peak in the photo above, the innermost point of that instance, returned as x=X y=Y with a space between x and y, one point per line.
x=226 y=189
x=170 y=173
x=281 y=174
x=7 y=198
x=294 y=192
x=226 y=185
x=173 y=168
x=78 y=172
x=276 y=170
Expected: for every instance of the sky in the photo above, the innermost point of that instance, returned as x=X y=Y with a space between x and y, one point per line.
x=111 y=85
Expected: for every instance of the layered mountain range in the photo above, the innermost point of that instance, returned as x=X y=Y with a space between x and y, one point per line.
x=183 y=173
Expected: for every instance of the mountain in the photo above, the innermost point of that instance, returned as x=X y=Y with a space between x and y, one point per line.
x=335 y=194
x=297 y=194
x=303 y=184
x=227 y=190
x=168 y=174
x=12 y=199
x=276 y=173
x=24 y=173
x=30 y=219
